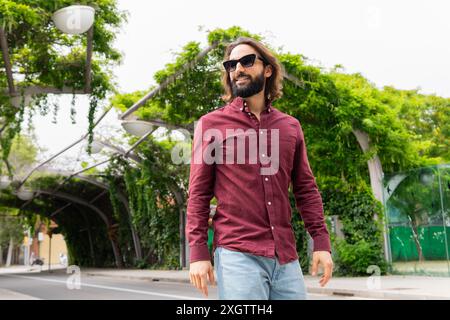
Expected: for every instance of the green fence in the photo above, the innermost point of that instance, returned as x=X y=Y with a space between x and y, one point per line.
x=431 y=240
x=417 y=206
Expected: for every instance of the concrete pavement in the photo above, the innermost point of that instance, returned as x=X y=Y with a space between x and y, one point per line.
x=58 y=285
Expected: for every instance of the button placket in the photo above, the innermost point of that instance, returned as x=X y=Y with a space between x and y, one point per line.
x=267 y=186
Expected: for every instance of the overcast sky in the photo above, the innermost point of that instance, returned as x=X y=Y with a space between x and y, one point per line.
x=403 y=43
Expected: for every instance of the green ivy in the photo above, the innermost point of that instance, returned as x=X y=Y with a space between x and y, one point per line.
x=361 y=215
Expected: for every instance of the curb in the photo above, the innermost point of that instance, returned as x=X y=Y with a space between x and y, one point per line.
x=145 y=278
x=373 y=294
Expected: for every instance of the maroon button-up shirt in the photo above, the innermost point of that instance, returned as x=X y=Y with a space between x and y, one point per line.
x=248 y=165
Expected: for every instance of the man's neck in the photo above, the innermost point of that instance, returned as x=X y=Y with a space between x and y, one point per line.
x=256 y=103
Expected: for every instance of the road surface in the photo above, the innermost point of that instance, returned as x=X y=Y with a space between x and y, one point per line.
x=61 y=286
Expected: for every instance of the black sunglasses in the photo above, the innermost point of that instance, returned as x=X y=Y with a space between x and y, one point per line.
x=245 y=61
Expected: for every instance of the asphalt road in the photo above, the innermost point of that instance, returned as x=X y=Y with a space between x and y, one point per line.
x=60 y=286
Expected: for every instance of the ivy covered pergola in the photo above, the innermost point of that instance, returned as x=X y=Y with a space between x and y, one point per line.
x=133 y=212
x=52 y=48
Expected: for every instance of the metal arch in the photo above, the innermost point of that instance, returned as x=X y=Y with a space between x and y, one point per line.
x=121 y=151
x=73 y=199
x=122 y=198
x=77 y=200
x=137 y=244
x=65 y=149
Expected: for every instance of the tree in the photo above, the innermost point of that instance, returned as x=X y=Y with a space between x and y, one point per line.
x=22 y=155
x=11 y=233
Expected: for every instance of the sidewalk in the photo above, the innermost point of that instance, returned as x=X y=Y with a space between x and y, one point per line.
x=388 y=287
x=28 y=269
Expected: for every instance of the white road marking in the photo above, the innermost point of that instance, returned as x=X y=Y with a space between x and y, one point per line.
x=150 y=293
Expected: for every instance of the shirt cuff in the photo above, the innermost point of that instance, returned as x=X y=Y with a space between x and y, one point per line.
x=199 y=253
x=322 y=243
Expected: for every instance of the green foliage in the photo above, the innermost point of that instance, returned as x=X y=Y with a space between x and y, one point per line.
x=22 y=154
x=11 y=227
x=301 y=236
x=153 y=205
x=355 y=259
x=361 y=216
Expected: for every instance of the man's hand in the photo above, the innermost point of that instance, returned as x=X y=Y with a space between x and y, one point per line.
x=198 y=272
x=322 y=258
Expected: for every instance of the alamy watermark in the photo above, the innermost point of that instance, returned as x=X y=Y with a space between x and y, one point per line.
x=73 y=282
x=210 y=146
x=374 y=281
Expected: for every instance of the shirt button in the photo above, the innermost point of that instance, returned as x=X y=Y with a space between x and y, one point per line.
x=269 y=203
x=242 y=109
x=261 y=132
x=273 y=227
x=249 y=113
x=263 y=155
x=267 y=179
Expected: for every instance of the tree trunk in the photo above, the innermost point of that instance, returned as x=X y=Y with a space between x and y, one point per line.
x=10 y=251
x=416 y=239
x=1 y=255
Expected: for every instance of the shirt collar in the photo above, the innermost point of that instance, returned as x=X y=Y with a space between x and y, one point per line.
x=240 y=104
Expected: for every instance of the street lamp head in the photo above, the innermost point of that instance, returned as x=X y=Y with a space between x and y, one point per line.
x=96 y=147
x=74 y=19
x=25 y=194
x=426 y=177
x=137 y=127
x=4 y=183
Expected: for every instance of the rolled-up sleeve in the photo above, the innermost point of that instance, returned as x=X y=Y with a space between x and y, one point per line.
x=307 y=196
x=200 y=193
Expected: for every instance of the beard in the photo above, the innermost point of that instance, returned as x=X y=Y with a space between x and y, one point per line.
x=253 y=87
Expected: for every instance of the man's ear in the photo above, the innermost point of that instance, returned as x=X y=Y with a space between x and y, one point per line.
x=268 y=71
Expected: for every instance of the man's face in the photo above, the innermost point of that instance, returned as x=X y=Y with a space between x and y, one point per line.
x=246 y=82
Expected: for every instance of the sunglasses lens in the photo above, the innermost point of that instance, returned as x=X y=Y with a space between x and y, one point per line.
x=248 y=61
x=230 y=65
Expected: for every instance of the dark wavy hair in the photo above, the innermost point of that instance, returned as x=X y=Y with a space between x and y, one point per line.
x=274 y=84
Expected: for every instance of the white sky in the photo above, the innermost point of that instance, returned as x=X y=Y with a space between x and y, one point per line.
x=403 y=43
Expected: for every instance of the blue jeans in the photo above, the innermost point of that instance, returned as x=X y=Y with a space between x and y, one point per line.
x=243 y=276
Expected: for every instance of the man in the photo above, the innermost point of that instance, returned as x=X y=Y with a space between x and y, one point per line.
x=255 y=255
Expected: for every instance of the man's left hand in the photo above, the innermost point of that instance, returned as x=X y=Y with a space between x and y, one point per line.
x=322 y=258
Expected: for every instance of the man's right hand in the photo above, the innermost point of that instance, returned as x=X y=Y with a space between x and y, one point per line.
x=199 y=271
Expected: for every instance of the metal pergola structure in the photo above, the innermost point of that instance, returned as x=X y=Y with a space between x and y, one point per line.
x=30 y=91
